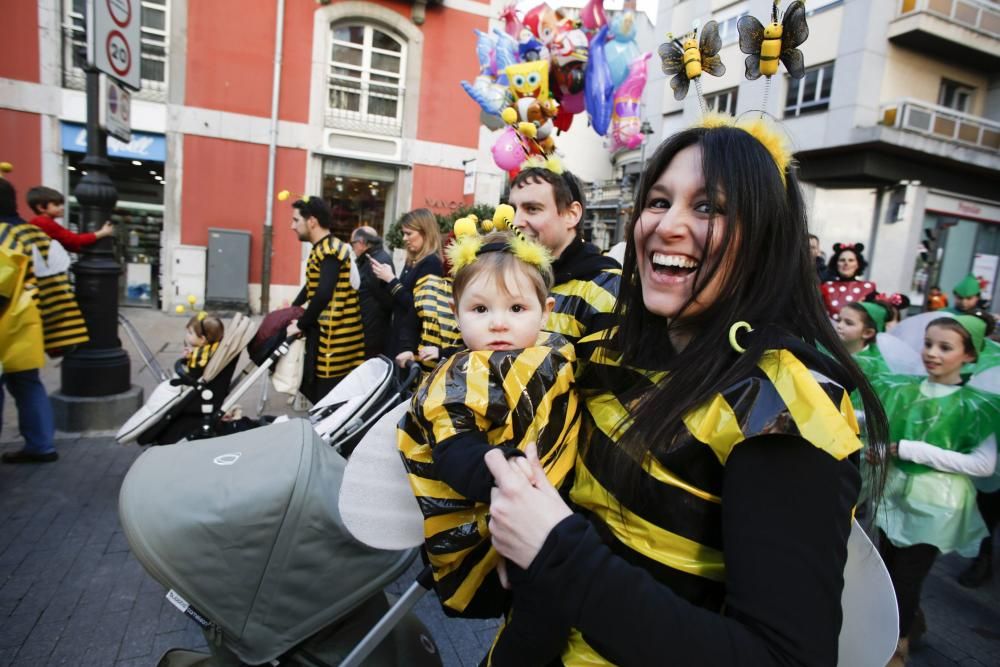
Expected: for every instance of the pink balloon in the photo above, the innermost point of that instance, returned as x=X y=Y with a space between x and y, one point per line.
x=507 y=151
x=592 y=15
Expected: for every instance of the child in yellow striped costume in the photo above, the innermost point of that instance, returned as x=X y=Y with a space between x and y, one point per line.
x=511 y=387
x=201 y=340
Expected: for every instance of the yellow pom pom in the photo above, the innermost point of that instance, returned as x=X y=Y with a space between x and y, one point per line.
x=464 y=227
x=6 y=167
x=462 y=251
x=529 y=130
x=192 y=299
x=283 y=195
x=473 y=217
x=509 y=115
x=554 y=164
x=305 y=199
x=503 y=216
x=488 y=226
x=202 y=315
x=180 y=309
x=530 y=252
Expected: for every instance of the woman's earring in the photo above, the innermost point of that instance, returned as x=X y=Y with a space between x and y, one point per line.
x=734 y=331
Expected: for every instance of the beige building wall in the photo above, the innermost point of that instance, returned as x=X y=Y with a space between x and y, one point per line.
x=912 y=74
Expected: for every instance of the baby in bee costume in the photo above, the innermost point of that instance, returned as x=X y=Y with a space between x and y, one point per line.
x=512 y=386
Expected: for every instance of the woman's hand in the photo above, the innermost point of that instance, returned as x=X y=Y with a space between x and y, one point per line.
x=429 y=353
x=382 y=271
x=404 y=358
x=292 y=330
x=522 y=515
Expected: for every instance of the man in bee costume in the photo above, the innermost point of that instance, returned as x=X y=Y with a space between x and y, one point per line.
x=549 y=206
x=335 y=341
x=496 y=395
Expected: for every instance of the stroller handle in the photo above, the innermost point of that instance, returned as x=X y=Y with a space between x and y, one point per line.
x=412 y=373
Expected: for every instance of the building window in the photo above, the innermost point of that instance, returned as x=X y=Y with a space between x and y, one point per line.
x=811 y=92
x=722 y=102
x=955 y=96
x=153 y=40
x=728 y=30
x=366 y=79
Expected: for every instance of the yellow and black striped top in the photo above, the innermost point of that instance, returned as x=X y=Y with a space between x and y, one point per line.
x=582 y=306
x=431 y=299
x=671 y=523
x=62 y=322
x=341 y=335
x=199 y=357
x=512 y=397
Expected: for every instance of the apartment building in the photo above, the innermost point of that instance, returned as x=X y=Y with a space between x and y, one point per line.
x=896 y=127
x=364 y=109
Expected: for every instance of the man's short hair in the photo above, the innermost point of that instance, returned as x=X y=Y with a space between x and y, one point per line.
x=314 y=207
x=565 y=187
x=40 y=196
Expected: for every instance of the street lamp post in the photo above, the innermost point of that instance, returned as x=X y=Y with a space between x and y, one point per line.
x=96 y=390
x=645 y=130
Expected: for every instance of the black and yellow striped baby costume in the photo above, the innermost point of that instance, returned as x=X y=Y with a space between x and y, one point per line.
x=62 y=322
x=341 y=344
x=514 y=398
x=199 y=357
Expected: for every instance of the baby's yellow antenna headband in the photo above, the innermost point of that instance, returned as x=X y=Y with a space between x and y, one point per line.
x=468 y=244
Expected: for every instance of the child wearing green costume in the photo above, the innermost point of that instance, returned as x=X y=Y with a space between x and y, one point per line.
x=857 y=328
x=941 y=433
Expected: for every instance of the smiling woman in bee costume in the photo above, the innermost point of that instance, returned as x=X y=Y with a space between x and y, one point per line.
x=712 y=496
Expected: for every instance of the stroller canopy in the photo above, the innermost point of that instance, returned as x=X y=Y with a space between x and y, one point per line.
x=247 y=529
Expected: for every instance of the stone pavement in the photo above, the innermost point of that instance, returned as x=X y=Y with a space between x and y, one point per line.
x=72 y=594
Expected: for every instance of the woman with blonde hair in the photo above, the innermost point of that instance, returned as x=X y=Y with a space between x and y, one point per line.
x=422 y=241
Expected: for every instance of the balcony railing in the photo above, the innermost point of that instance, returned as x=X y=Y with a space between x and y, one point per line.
x=372 y=109
x=942 y=123
x=605 y=191
x=970 y=13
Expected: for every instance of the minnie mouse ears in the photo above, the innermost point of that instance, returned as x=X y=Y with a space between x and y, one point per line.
x=856 y=247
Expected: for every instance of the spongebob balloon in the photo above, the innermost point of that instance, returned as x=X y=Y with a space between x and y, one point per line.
x=533 y=108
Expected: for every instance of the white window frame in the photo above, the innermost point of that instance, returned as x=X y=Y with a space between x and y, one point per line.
x=728 y=31
x=730 y=95
x=818 y=103
x=74 y=36
x=364 y=73
x=964 y=90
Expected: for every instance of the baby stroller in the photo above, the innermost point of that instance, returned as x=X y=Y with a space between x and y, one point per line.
x=187 y=407
x=246 y=534
x=369 y=391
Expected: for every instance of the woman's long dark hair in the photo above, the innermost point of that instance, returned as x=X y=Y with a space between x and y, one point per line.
x=770 y=282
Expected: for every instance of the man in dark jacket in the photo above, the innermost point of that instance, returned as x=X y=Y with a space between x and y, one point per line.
x=376 y=300
x=549 y=208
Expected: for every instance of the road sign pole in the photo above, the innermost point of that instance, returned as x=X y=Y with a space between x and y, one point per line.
x=100 y=368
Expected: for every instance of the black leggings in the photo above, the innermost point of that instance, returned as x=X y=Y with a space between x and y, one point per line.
x=908 y=567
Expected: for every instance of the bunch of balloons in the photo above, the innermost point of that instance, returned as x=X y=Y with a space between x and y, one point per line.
x=544 y=68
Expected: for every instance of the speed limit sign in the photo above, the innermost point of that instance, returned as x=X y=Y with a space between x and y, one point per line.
x=113 y=39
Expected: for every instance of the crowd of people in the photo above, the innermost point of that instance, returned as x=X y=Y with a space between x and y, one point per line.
x=646 y=458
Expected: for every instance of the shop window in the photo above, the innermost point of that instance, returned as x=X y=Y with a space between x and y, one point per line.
x=955 y=96
x=365 y=80
x=153 y=38
x=811 y=92
x=722 y=102
x=138 y=218
x=359 y=195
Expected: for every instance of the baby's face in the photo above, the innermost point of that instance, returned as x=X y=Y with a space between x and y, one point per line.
x=191 y=339
x=492 y=318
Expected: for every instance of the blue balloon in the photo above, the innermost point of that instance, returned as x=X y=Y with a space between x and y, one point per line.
x=622 y=49
x=485 y=53
x=599 y=89
x=506 y=54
